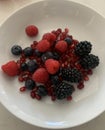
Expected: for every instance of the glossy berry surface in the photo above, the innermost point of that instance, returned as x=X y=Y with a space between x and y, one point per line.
x=42 y=91
x=28 y=51
x=16 y=50
x=37 y=53
x=32 y=65
x=29 y=84
x=24 y=66
x=68 y=40
x=47 y=55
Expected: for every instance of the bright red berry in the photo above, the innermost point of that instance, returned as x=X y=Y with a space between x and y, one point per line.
x=49 y=36
x=43 y=45
x=52 y=66
x=61 y=46
x=40 y=75
x=10 y=68
x=31 y=30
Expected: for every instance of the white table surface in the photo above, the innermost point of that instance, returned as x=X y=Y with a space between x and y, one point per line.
x=10 y=122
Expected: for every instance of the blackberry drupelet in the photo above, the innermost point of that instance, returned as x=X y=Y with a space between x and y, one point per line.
x=72 y=75
x=63 y=90
x=83 y=48
x=89 y=61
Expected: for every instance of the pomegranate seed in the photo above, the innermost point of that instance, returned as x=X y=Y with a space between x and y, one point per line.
x=80 y=86
x=69 y=98
x=86 y=78
x=32 y=94
x=35 y=89
x=22 y=89
x=90 y=72
x=53 y=98
x=21 y=79
x=38 y=97
x=66 y=30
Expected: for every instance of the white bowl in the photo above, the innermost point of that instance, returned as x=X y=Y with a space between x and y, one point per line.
x=84 y=24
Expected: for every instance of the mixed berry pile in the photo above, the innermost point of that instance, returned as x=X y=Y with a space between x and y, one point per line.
x=52 y=65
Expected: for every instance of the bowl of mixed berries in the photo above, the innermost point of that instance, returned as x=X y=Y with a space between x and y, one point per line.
x=50 y=74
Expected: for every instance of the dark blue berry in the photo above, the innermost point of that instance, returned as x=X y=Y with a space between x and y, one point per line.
x=32 y=65
x=56 y=56
x=42 y=90
x=46 y=56
x=37 y=53
x=28 y=51
x=23 y=66
x=55 y=80
x=30 y=84
x=16 y=50
x=68 y=40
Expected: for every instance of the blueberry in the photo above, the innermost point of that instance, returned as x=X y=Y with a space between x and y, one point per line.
x=56 y=56
x=55 y=80
x=46 y=56
x=32 y=65
x=68 y=40
x=30 y=84
x=42 y=90
x=16 y=50
x=28 y=51
x=37 y=53
x=23 y=66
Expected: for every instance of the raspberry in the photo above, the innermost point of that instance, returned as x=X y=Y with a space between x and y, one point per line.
x=61 y=46
x=31 y=30
x=43 y=45
x=10 y=68
x=40 y=75
x=49 y=36
x=52 y=66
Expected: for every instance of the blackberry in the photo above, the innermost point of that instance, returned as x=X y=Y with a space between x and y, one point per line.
x=28 y=51
x=30 y=84
x=42 y=91
x=72 y=75
x=16 y=50
x=89 y=61
x=63 y=90
x=83 y=48
x=32 y=65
